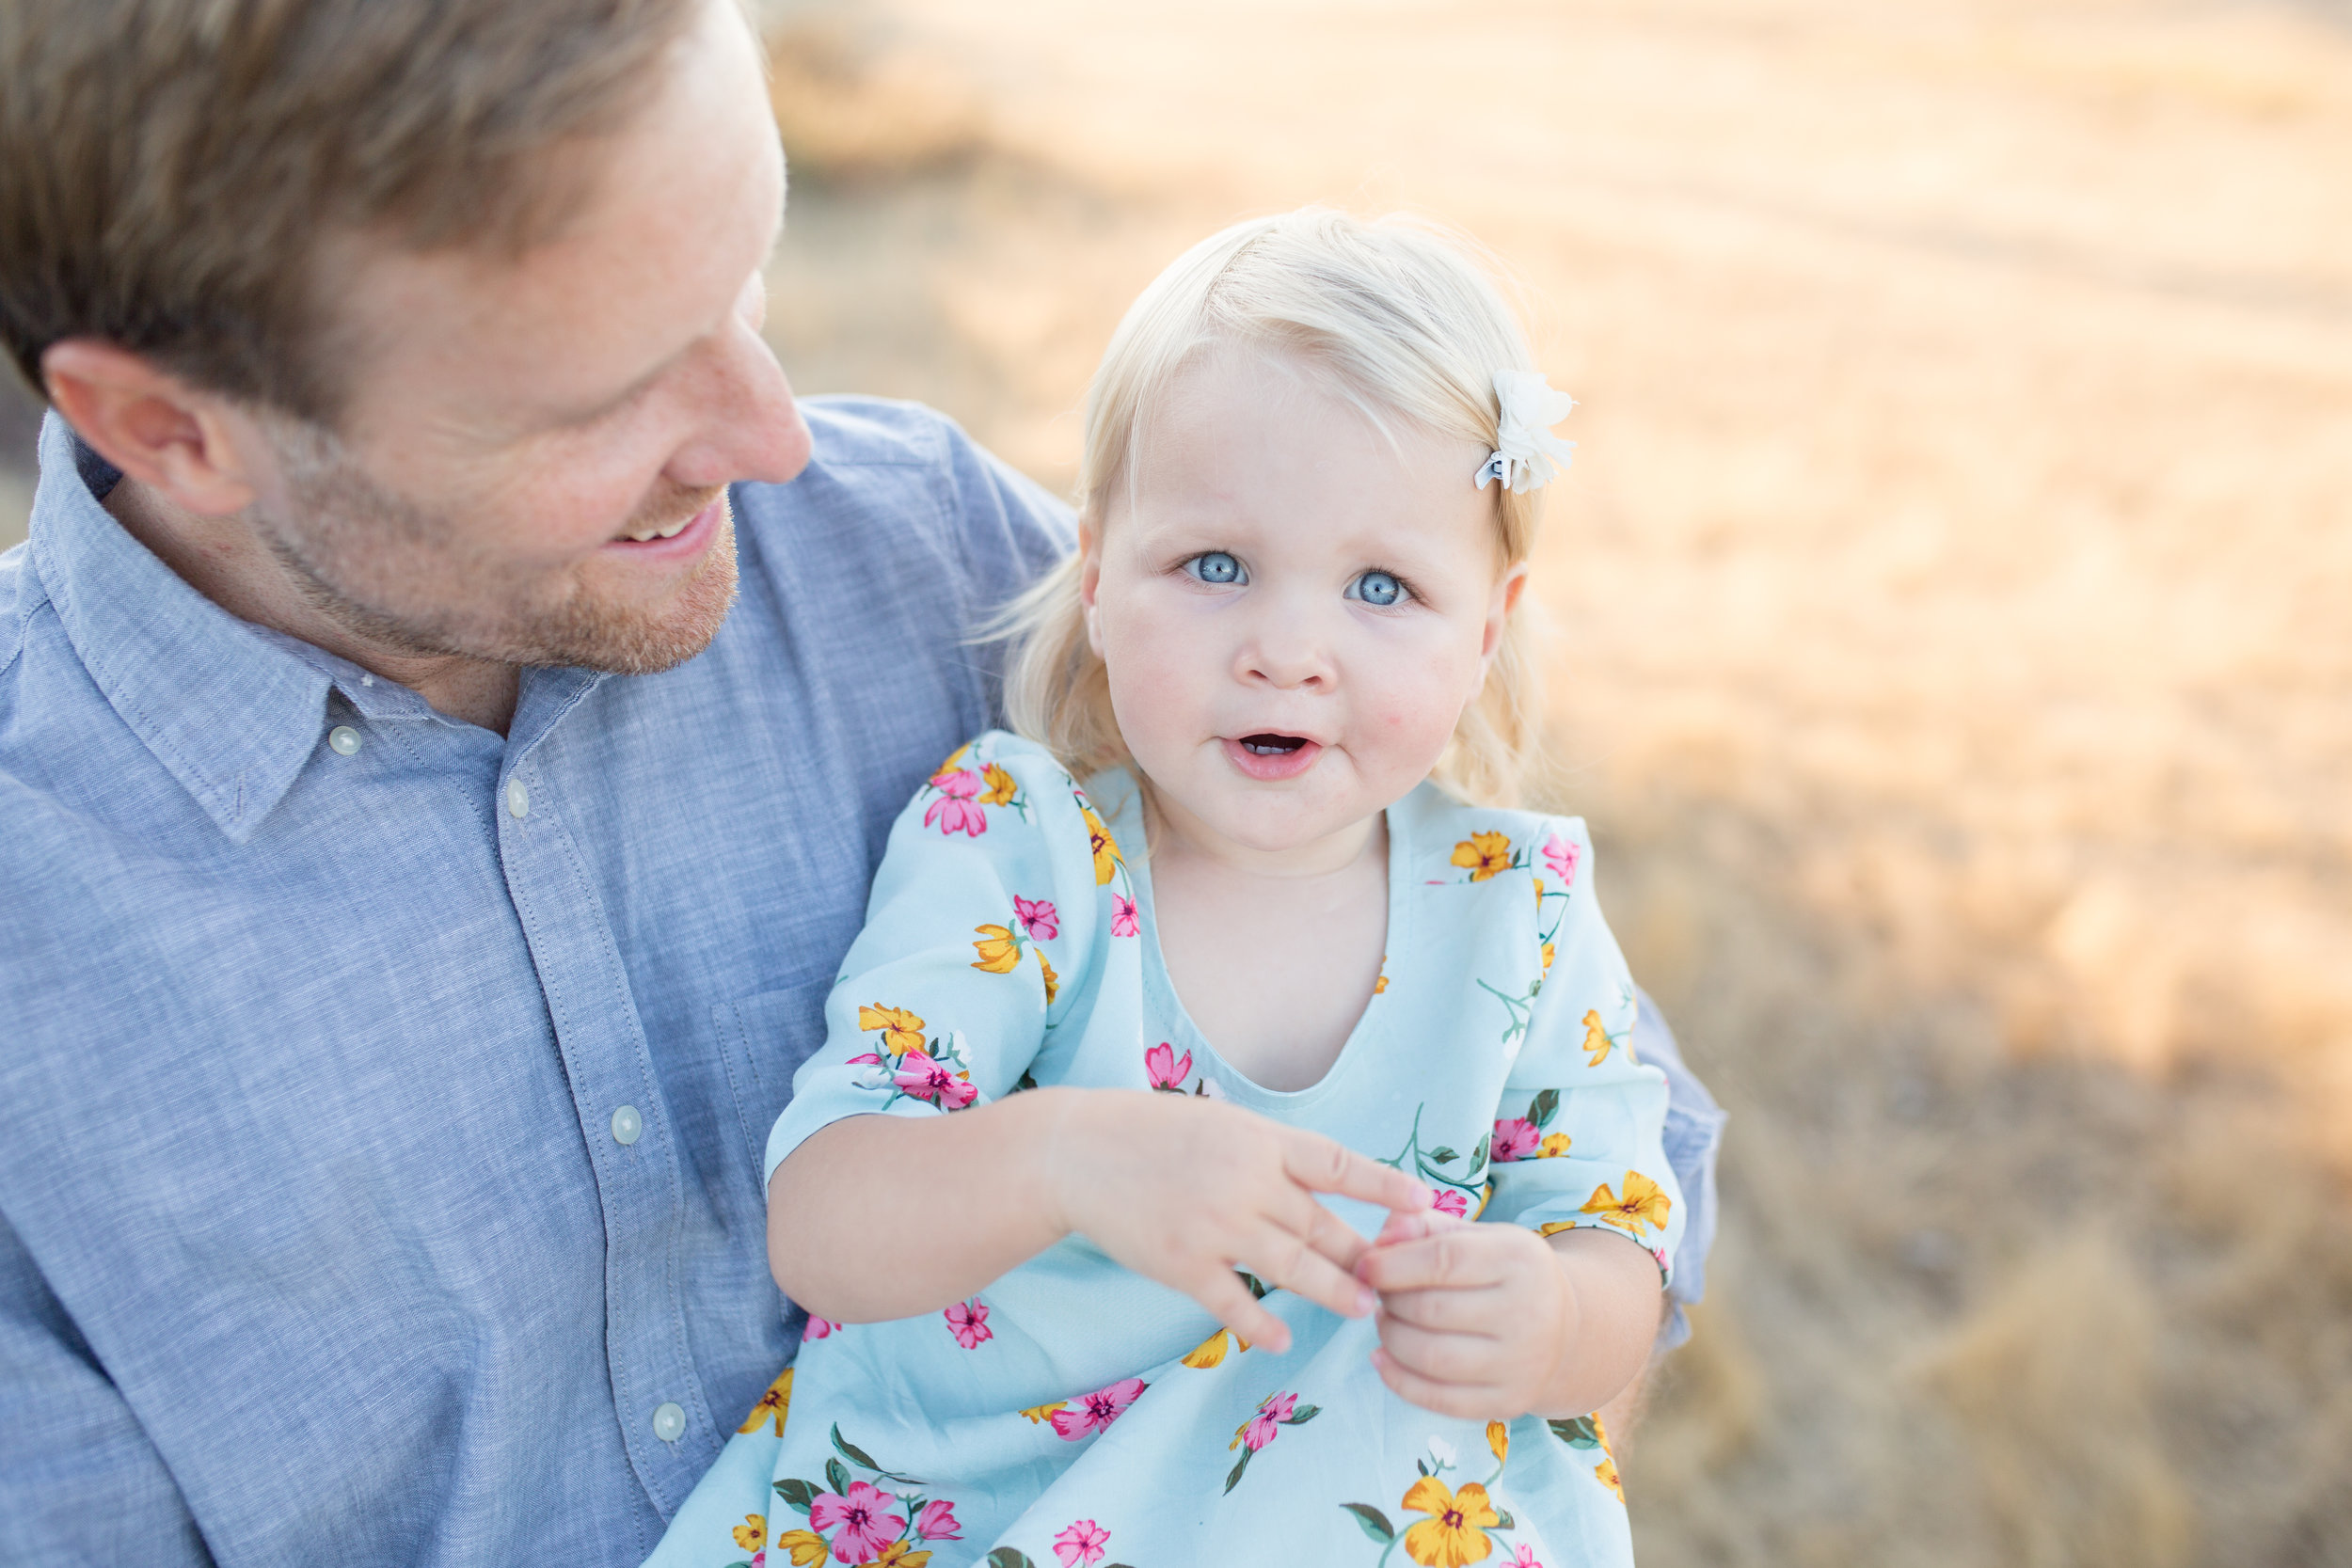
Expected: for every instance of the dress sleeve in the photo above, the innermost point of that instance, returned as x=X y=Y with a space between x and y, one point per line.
x=977 y=935
x=1578 y=1138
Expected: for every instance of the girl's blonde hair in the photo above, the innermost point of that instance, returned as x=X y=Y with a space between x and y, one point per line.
x=1398 y=319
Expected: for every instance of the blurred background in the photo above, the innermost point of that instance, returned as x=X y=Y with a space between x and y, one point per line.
x=1953 y=651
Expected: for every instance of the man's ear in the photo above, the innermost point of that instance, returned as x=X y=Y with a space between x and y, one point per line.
x=157 y=429
x=1091 y=580
x=1506 y=599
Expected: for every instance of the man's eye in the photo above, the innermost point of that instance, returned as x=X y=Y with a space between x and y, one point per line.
x=1217 y=567
x=1376 y=588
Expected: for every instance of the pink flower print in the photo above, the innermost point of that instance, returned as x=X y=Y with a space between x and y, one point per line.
x=820 y=1328
x=1561 y=856
x=937 y=1522
x=1261 y=1429
x=954 y=811
x=968 y=1322
x=1515 y=1138
x=1123 y=915
x=1524 y=1557
x=1097 y=1411
x=1036 y=917
x=1449 y=1201
x=1081 y=1545
x=924 y=1079
x=863 y=1514
x=1162 y=1066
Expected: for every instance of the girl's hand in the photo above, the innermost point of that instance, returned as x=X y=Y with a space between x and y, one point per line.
x=1186 y=1190
x=1489 y=1321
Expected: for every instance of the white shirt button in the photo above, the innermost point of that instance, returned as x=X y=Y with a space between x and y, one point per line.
x=627 y=1126
x=517 y=798
x=344 y=740
x=669 y=1422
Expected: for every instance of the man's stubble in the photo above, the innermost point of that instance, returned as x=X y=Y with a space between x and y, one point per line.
x=399 y=576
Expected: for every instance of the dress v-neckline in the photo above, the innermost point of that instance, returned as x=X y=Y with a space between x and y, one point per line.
x=1127 y=828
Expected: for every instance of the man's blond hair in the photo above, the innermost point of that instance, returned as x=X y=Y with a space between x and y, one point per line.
x=169 y=169
x=1397 y=317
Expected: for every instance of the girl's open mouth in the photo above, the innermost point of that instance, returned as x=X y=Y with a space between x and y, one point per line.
x=1271 y=757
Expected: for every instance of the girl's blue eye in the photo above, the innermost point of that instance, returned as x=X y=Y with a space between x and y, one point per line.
x=1217 y=567
x=1376 y=588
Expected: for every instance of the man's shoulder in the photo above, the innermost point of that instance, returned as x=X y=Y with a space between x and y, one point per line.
x=850 y=430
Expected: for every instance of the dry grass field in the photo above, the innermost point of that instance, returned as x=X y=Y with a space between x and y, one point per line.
x=1954 y=653
x=1953 y=604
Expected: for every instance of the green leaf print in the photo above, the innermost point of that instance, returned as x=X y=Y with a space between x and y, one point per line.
x=837 y=1477
x=850 y=1452
x=1301 y=1416
x=1582 y=1433
x=1239 y=1465
x=1010 y=1556
x=1543 y=1107
x=800 y=1494
x=1372 y=1521
x=1443 y=1156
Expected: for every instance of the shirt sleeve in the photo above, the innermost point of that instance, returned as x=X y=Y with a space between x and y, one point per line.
x=979 y=936
x=1694 y=1139
x=1578 y=1137
x=79 y=1480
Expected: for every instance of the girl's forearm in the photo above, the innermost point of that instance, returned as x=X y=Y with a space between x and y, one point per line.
x=1617 y=1304
x=877 y=1217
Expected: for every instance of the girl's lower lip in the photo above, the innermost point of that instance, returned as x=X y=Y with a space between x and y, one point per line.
x=685 y=543
x=1273 y=767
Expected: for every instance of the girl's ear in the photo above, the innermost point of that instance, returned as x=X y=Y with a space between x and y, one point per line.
x=1090 y=579
x=1498 y=607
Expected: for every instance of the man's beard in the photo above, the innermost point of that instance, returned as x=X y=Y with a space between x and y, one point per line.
x=370 y=559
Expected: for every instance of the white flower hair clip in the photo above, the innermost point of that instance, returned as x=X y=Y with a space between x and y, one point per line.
x=1526 y=450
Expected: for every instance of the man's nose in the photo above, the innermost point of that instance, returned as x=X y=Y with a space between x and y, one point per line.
x=750 y=426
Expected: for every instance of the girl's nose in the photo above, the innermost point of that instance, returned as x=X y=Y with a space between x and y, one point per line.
x=1284 y=650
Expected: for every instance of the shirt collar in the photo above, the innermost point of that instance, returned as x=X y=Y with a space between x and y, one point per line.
x=233 y=712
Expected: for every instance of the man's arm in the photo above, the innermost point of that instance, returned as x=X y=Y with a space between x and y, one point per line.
x=79 y=1482
x=1694 y=1136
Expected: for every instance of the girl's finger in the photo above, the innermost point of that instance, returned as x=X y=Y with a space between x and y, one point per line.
x=1322 y=1165
x=1479 y=1312
x=1284 y=1260
x=1324 y=1230
x=1230 y=1301
x=1452 y=1259
x=1453 y=1358
x=1468 y=1401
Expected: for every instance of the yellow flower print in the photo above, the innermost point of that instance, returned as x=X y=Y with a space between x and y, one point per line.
x=806 y=1549
x=1052 y=981
x=1553 y=1228
x=998 y=952
x=1499 y=1439
x=901 y=1030
x=955 y=760
x=1382 y=984
x=752 y=1534
x=1554 y=1146
x=1547 y=957
x=1454 y=1535
x=1642 y=1206
x=1107 y=857
x=1596 y=1042
x=998 y=787
x=902 y=1554
x=1210 y=1350
x=1601 y=1431
x=1045 y=1412
x=772 y=1405
x=1606 y=1473
x=1484 y=855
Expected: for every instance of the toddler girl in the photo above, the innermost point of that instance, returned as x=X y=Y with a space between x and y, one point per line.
x=1195 y=1022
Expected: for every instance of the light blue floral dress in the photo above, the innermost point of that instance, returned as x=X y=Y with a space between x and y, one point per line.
x=1079 y=1414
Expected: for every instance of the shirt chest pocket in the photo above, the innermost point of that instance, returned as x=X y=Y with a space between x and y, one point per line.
x=762 y=1040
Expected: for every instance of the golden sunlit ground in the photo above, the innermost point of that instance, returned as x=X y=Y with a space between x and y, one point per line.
x=1954 y=653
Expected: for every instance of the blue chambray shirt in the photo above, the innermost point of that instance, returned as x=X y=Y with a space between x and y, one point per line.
x=379 y=1182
